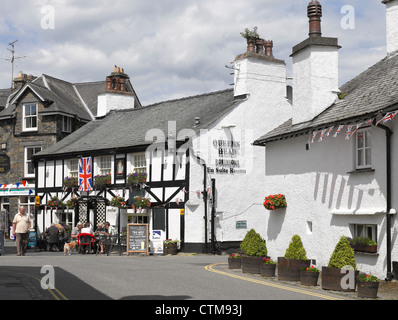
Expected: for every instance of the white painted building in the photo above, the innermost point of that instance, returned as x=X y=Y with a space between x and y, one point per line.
x=199 y=156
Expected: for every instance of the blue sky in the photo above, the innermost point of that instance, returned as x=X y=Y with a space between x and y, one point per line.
x=173 y=48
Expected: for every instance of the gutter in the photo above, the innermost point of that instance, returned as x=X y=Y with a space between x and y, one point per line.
x=389 y=132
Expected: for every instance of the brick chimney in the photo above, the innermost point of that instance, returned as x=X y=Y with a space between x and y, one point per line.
x=391 y=25
x=315 y=70
x=116 y=95
x=21 y=79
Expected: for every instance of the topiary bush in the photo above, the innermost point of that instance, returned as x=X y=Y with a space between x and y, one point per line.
x=254 y=245
x=296 y=249
x=343 y=255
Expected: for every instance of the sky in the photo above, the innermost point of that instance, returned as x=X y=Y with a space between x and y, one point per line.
x=175 y=48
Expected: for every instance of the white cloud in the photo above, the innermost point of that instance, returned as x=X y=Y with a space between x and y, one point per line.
x=177 y=47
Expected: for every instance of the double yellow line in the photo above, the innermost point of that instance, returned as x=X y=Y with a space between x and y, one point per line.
x=269 y=284
x=57 y=295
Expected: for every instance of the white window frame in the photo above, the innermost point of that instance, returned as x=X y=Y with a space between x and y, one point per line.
x=139 y=162
x=26 y=117
x=66 y=124
x=28 y=161
x=366 y=163
x=105 y=165
x=366 y=230
x=73 y=166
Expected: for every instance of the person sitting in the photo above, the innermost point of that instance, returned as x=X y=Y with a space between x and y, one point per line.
x=100 y=234
x=52 y=234
x=76 y=231
x=87 y=228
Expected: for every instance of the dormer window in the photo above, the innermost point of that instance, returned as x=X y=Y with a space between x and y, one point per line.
x=30 y=117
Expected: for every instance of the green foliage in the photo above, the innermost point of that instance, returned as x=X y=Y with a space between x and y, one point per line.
x=364 y=277
x=343 y=255
x=248 y=34
x=362 y=241
x=296 y=249
x=254 y=245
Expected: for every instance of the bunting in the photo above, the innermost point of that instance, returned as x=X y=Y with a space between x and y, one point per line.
x=351 y=129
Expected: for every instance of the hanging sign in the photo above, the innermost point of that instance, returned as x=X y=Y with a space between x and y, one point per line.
x=137 y=238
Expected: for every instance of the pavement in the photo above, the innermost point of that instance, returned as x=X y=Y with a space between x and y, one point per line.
x=17 y=286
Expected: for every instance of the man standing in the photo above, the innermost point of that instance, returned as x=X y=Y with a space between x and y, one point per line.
x=21 y=229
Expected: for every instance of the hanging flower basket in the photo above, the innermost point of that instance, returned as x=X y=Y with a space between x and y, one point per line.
x=273 y=202
x=141 y=202
x=56 y=203
x=72 y=203
x=118 y=202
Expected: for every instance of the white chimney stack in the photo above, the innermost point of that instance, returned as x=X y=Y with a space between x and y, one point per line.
x=391 y=25
x=315 y=70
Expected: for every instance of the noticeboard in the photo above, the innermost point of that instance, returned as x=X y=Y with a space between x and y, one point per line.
x=137 y=238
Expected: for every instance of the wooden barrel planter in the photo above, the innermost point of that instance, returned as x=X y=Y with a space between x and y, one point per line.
x=251 y=264
x=171 y=248
x=289 y=269
x=368 y=289
x=309 y=278
x=234 y=263
x=268 y=270
x=332 y=279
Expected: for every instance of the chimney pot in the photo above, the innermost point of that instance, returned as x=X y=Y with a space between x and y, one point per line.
x=269 y=44
x=315 y=14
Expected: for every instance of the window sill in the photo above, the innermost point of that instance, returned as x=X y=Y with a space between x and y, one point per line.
x=361 y=171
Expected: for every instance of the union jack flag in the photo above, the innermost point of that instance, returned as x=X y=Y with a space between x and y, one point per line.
x=388 y=117
x=322 y=135
x=313 y=136
x=85 y=177
x=330 y=131
x=348 y=134
x=338 y=131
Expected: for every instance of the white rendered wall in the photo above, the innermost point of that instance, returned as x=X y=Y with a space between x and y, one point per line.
x=320 y=192
x=392 y=26
x=315 y=76
x=113 y=101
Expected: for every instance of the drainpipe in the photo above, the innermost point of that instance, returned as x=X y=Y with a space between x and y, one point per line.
x=389 y=132
x=203 y=163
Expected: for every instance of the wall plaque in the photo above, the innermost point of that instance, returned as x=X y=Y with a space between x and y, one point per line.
x=5 y=166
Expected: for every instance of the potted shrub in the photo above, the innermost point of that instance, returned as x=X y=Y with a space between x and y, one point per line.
x=273 y=202
x=268 y=267
x=368 y=285
x=295 y=257
x=363 y=244
x=235 y=261
x=309 y=275
x=254 y=249
x=170 y=247
x=340 y=274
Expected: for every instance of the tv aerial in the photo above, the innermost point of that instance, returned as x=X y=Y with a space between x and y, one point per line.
x=12 y=60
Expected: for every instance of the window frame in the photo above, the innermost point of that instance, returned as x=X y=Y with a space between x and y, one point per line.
x=103 y=168
x=365 y=146
x=364 y=232
x=25 y=128
x=137 y=164
x=73 y=164
x=66 y=127
x=27 y=161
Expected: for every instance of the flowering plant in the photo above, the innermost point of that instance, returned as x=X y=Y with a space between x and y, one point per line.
x=102 y=180
x=72 y=203
x=56 y=203
x=273 y=202
x=310 y=269
x=118 y=202
x=141 y=202
x=67 y=228
x=136 y=177
x=235 y=256
x=71 y=182
x=365 y=277
x=267 y=261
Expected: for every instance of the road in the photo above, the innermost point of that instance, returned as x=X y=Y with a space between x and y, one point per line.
x=181 y=277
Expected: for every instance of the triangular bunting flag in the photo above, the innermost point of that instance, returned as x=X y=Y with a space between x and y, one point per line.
x=314 y=136
x=338 y=131
x=348 y=134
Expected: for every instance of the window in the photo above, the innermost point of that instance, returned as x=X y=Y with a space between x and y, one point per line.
x=28 y=203
x=66 y=124
x=30 y=117
x=366 y=230
x=73 y=168
x=29 y=165
x=105 y=165
x=139 y=162
x=363 y=149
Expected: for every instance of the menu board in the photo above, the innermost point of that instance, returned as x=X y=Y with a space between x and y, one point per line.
x=137 y=238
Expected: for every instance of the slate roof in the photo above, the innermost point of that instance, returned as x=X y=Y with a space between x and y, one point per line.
x=372 y=93
x=78 y=99
x=128 y=128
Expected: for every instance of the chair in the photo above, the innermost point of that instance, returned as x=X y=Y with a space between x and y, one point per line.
x=85 y=241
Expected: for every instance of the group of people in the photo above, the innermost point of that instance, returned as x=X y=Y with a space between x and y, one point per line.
x=102 y=231
x=55 y=234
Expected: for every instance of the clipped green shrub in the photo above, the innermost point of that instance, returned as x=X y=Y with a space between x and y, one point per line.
x=343 y=255
x=296 y=249
x=254 y=245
